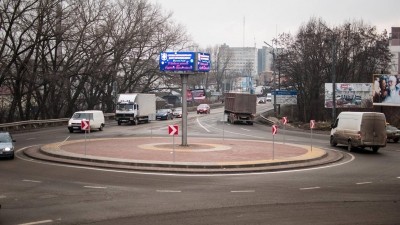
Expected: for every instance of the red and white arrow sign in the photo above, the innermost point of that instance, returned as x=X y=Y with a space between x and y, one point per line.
x=312 y=124
x=85 y=125
x=274 y=129
x=173 y=129
x=284 y=120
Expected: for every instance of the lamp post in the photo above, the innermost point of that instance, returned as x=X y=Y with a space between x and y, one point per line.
x=274 y=74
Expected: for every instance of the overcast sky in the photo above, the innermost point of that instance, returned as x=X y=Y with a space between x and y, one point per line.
x=215 y=22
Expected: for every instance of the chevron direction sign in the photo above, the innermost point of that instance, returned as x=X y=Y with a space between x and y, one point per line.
x=173 y=129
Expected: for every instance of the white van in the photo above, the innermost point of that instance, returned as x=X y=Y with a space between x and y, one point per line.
x=95 y=118
x=359 y=129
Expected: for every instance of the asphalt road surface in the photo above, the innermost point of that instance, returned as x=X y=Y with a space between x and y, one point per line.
x=362 y=190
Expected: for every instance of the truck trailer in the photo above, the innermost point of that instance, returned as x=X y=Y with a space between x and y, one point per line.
x=240 y=107
x=134 y=108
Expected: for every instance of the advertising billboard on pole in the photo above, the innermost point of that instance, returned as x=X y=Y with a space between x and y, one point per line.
x=349 y=95
x=386 y=89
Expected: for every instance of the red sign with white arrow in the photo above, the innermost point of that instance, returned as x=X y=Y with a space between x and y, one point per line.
x=312 y=124
x=85 y=125
x=274 y=129
x=173 y=129
x=284 y=120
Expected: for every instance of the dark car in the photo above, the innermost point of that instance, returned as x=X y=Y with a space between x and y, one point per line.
x=392 y=133
x=164 y=114
x=203 y=108
x=6 y=145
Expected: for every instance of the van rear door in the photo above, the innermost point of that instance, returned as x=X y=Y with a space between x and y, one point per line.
x=373 y=129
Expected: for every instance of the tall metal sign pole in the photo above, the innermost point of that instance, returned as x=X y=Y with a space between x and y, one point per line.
x=185 y=63
x=184 y=78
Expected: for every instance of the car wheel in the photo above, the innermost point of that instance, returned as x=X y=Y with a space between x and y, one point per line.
x=396 y=140
x=101 y=127
x=349 y=146
x=333 y=142
x=71 y=130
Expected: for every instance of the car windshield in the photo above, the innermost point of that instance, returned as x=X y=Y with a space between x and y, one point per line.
x=4 y=137
x=203 y=106
x=87 y=116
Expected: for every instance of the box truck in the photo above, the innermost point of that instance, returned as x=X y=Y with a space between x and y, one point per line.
x=134 y=108
x=240 y=107
x=359 y=129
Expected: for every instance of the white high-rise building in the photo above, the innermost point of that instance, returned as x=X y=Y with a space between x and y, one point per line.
x=394 y=47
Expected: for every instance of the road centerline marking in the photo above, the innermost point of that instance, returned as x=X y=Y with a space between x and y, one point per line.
x=169 y=191
x=32 y=181
x=310 y=188
x=243 y=191
x=360 y=183
x=95 y=187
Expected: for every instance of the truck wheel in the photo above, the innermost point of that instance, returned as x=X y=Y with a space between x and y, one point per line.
x=119 y=123
x=375 y=149
x=136 y=121
x=333 y=142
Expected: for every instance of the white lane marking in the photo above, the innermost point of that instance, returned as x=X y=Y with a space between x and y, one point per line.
x=198 y=122
x=364 y=183
x=30 y=139
x=32 y=181
x=37 y=222
x=95 y=187
x=245 y=129
x=3 y=196
x=398 y=177
x=310 y=188
x=243 y=191
x=169 y=191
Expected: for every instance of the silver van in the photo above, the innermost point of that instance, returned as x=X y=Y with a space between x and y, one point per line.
x=359 y=129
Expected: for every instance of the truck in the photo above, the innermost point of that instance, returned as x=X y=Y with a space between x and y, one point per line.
x=240 y=107
x=133 y=108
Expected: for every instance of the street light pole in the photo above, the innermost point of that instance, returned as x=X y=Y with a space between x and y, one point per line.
x=274 y=74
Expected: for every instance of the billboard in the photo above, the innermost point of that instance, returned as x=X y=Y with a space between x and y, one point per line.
x=386 y=89
x=177 y=61
x=285 y=97
x=349 y=95
x=203 y=62
x=184 y=62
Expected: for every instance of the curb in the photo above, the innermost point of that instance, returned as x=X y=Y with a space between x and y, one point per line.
x=328 y=158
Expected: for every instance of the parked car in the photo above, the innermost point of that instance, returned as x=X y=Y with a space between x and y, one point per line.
x=393 y=133
x=164 y=114
x=177 y=112
x=203 y=108
x=6 y=145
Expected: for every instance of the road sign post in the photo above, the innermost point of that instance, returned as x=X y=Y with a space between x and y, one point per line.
x=173 y=130
x=284 y=121
x=274 y=131
x=85 y=125
x=312 y=125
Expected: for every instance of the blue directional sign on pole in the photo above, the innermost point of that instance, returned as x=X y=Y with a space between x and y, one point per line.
x=284 y=97
x=177 y=61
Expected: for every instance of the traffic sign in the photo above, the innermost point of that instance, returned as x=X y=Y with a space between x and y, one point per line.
x=173 y=129
x=312 y=124
x=274 y=129
x=284 y=120
x=85 y=125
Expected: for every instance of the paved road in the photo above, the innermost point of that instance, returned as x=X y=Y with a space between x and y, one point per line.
x=364 y=190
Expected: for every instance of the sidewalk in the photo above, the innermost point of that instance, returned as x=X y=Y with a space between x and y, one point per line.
x=202 y=155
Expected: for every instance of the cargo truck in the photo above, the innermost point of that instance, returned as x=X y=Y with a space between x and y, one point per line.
x=240 y=107
x=134 y=108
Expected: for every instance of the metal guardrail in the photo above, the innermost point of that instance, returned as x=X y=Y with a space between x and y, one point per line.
x=29 y=124
x=267 y=121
